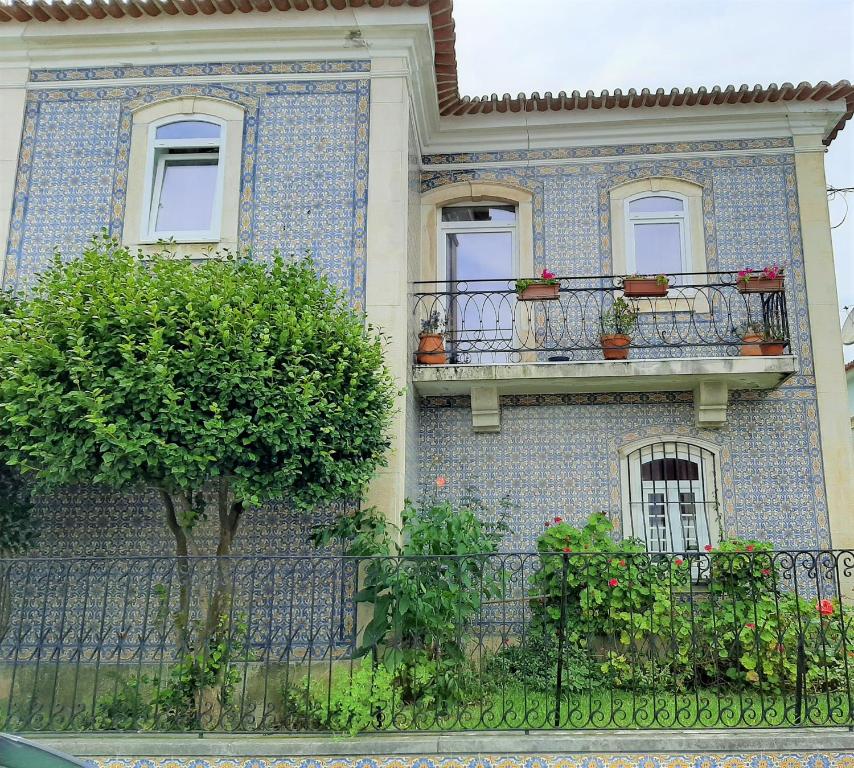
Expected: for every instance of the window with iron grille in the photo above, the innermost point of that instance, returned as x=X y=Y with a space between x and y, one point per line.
x=670 y=493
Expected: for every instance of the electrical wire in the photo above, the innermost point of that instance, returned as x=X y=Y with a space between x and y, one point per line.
x=832 y=192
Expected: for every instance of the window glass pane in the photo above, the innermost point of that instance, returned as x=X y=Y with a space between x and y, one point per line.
x=480 y=317
x=656 y=522
x=187 y=196
x=496 y=213
x=188 y=129
x=688 y=518
x=669 y=469
x=658 y=248
x=656 y=204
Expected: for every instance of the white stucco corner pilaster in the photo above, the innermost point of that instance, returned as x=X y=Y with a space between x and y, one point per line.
x=386 y=302
x=12 y=102
x=826 y=337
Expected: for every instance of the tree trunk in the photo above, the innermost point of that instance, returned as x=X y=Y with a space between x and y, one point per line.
x=197 y=640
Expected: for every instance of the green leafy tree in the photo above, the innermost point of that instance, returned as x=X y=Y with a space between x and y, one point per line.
x=224 y=385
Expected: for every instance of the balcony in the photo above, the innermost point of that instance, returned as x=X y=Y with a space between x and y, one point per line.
x=704 y=333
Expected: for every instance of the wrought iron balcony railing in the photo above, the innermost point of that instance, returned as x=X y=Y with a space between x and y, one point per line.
x=697 y=315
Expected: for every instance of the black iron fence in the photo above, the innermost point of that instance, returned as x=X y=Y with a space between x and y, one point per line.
x=695 y=314
x=569 y=640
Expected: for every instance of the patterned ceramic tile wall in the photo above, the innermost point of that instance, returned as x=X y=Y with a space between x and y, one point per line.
x=304 y=167
x=629 y=760
x=559 y=455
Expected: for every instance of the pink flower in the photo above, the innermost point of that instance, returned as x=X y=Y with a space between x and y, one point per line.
x=750 y=625
x=750 y=547
x=547 y=275
x=613 y=583
x=678 y=561
x=708 y=547
x=766 y=572
x=772 y=272
x=824 y=607
x=744 y=274
x=558 y=519
x=441 y=481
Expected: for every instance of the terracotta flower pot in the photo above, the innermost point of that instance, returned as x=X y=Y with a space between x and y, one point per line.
x=539 y=292
x=431 y=349
x=644 y=286
x=615 y=346
x=751 y=344
x=772 y=348
x=761 y=285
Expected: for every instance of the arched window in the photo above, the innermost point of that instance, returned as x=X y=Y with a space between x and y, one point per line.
x=657 y=229
x=184 y=179
x=670 y=496
x=656 y=234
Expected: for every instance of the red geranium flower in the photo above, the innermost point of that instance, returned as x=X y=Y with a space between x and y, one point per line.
x=708 y=547
x=750 y=547
x=548 y=275
x=622 y=563
x=750 y=625
x=613 y=583
x=558 y=519
x=567 y=549
x=766 y=572
x=678 y=561
x=824 y=607
x=441 y=481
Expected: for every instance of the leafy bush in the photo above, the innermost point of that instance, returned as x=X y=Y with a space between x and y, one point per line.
x=427 y=590
x=362 y=699
x=532 y=664
x=753 y=625
x=616 y=601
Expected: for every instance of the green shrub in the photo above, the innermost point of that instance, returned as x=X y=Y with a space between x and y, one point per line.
x=365 y=698
x=533 y=664
x=426 y=591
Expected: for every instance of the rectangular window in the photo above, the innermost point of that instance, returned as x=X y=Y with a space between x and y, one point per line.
x=184 y=194
x=480 y=262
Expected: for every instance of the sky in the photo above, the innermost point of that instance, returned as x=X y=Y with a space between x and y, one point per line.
x=508 y=46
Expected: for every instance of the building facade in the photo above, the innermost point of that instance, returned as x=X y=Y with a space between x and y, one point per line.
x=337 y=128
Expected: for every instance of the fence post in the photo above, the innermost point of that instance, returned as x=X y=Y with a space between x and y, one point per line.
x=800 y=680
x=561 y=637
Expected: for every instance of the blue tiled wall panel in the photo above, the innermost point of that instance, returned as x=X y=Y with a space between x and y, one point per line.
x=303 y=175
x=559 y=455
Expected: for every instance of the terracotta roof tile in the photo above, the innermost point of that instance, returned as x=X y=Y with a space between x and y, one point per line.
x=451 y=103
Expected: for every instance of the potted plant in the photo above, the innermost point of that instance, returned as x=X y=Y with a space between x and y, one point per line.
x=617 y=324
x=431 y=341
x=751 y=335
x=543 y=288
x=766 y=280
x=646 y=285
x=773 y=341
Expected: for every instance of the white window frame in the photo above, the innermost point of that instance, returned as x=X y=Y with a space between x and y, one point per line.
x=482 y=227
x=707 y=488
x=682 y=219
x=154 y=170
